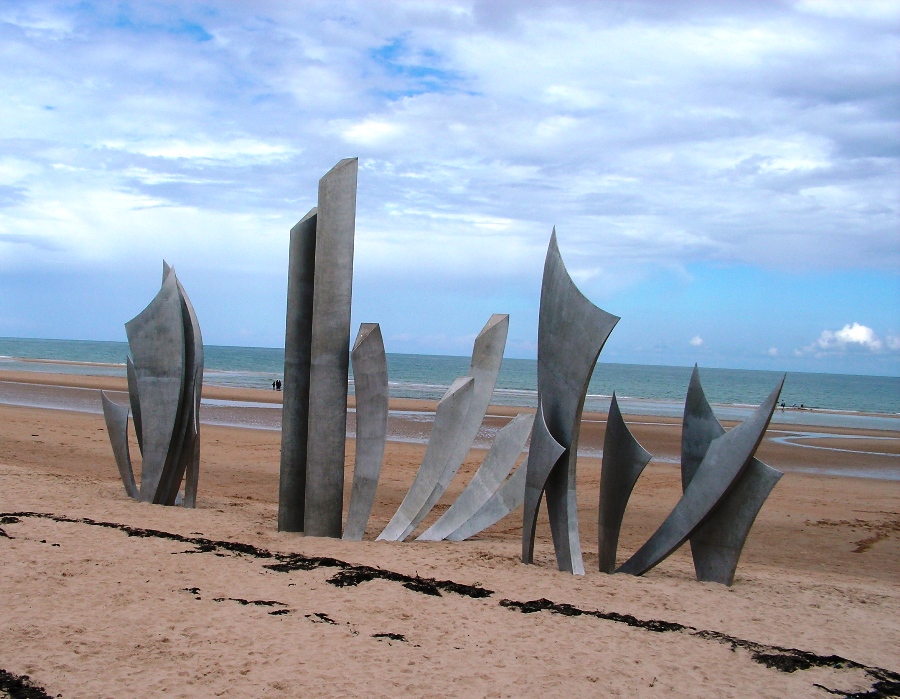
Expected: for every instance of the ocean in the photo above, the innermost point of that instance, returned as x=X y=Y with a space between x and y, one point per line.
x=657 y=390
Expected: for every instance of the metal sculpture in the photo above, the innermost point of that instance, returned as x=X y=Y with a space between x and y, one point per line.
x=624 y=460
x=165 y=380
x=317 y=361
x=117 y=427
x=370 y=380
x=487 y=355
x=500 y=460
x=717 y=474
x=449 y=416
x=716 y=544
x=510 y=496
x=295 y=396
x=571 y=334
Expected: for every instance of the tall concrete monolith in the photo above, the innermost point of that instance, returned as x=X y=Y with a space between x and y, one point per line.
x=329 y=362
x=297 y=347
x=317 y=359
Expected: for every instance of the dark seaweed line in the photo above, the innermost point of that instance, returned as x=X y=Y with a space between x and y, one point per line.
x=348 y=575
x=885 y=682
x=21 y=687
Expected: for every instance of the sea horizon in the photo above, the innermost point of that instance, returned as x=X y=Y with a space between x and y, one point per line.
x=895 y=375
x=649 y=388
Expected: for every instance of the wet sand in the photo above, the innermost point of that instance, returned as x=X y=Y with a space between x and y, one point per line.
x=89 y=611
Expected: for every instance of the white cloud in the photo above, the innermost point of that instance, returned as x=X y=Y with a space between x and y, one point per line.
x=851 y=337
x=772 y=351
x=866 y=9
x=245 y=149
x=370 y=132
x=696 y=341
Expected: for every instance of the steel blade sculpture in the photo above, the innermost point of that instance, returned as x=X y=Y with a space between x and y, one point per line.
x=500 y=460
x=370 y=380
x=450 y=413
x=442 y=461
x=511 y=495
x=623 y=462
x=716 y=489
x=717 y=543
x=571 y=334
x=165 y=380
x=316 y=359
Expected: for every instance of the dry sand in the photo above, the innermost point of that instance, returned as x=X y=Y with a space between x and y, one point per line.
x=91 y=611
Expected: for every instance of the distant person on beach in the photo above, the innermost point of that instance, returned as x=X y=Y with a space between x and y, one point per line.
x=277 y=384
x=273 y=385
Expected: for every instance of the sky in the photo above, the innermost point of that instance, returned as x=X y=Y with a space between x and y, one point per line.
x=725 y=177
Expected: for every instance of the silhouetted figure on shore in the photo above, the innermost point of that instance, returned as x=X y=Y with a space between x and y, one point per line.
x=277 y=384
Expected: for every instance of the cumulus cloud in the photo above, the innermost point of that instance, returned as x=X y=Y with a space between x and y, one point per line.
x=852 y=337
x=696 y=341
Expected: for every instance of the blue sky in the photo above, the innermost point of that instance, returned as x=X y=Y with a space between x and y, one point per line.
x=723 y=176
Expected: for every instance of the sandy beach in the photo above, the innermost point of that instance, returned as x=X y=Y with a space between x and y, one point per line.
x=104 y=597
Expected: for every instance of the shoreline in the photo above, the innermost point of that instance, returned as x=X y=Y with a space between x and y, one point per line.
x=263 y=395
x=849 y=452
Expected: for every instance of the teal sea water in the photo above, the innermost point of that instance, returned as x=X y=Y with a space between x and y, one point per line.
x=661 y=388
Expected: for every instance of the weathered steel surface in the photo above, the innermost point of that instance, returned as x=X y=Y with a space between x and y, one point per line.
x=156 y=339
x=450 y=414
x=500 y=460
x=725 y=460
x=716 y=544
x=117 y=426
x=512 y=493
x=330 y=351
x=571 y=334
x=508 y=498
x=165 y=380
x=297 y=344
x=134 y=399
x=623 y=461
x=370 y=379
x=487 y=355
x=184 y=448
x=194 y=359
x=190 y=450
